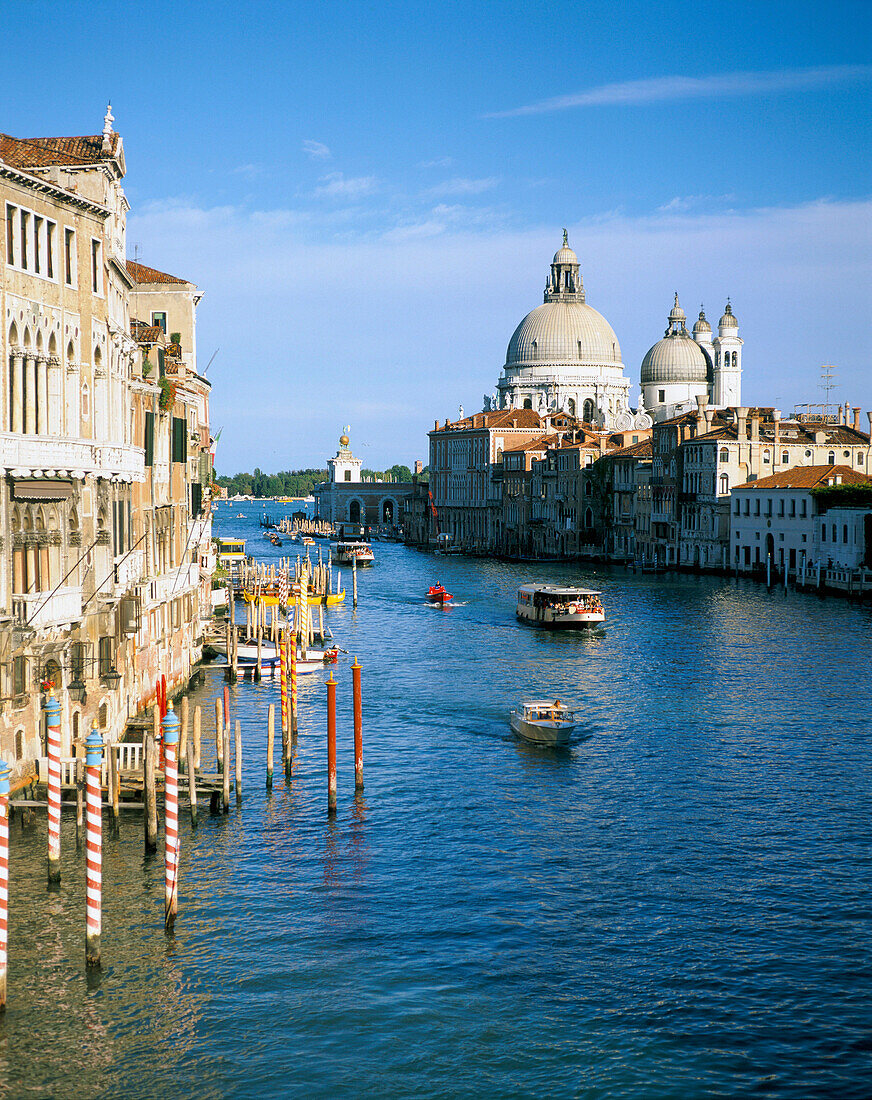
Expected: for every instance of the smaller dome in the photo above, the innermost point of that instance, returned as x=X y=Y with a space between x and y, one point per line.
x=677 y=313
x=701 y=324
x=675 y=358
x=728 y=320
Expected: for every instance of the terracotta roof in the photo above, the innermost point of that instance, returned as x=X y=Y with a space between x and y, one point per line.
x=45 y=152
x=146 y=334
x=644 y=449
x=540 y=443
x=808 y=477
x=142 y=274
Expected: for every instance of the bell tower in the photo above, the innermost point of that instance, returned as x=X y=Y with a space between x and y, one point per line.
x=564 y=283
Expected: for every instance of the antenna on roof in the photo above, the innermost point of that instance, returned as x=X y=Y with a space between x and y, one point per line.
x=826 y=384
x=136 y=249
x=209 y=364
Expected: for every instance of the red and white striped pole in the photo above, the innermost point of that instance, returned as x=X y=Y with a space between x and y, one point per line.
x=171 y=817
x=53 y=737
x=5 y=772
x=93 y=848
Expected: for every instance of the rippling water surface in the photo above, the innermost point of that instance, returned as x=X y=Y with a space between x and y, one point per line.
x=678 y=906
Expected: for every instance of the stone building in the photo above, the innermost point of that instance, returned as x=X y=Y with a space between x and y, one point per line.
x=681 y=367
x=347 y=497
x=72 y=443
x=564 y=357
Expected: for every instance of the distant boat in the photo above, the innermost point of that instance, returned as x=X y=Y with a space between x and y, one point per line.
x=543 y=722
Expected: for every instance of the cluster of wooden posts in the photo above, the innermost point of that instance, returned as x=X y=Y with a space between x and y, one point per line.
x=165 y=745
x=321 y=528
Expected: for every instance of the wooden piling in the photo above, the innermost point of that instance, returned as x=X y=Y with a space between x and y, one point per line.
x=171 y=817
x=53 y=796
x=5 y=773
x=219 y=733
x=270 y=740
x=114 y=788
x=331 y=745
x=321 y=621
x=94 y=849
x=80 y=803
x=238 y=758
x=258 y=668
x=192 y=777
x=358 y=726
x=225 y=772
x=155 y=730
x=183 y=729
x=149 y=792
x=197 y=737
x=226 y=707
x=228 y=645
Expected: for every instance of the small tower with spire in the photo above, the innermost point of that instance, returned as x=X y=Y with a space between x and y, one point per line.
x=564 y=283
x=344 y=467
x=727 y=384
x=108 y=119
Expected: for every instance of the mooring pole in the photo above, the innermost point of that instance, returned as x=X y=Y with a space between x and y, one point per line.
x=171 y=818
x=53 y=737
x=93 y=849
x=270 y=741
x=358 y=727
x=5 y=773
x=331 y=745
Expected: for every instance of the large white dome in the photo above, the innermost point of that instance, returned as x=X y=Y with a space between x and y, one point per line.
x=564 y=332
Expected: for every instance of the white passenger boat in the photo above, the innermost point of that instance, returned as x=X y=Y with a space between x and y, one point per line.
x=543 y=722
x=558 y=607
x=346 y=553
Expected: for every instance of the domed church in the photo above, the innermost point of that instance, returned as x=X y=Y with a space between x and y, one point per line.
x=565 y=357
x=681 y=367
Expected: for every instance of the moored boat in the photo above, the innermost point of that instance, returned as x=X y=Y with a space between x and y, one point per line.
x=543 y=722
x=346 y=553
x=559 y=607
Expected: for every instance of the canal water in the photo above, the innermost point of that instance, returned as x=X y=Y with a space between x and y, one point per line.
x=677 y=906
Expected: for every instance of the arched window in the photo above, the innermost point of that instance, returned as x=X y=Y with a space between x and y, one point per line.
x=572 y=406
x=587 y=489
x=19 y=744
x=354 y=511
x=735 y=358
x=86 y=402
x=831 y=458
x=388 y=511
x=767 y=457
x=785 y=458
x=845 y=534
x=725 y=455
x=587 y=410
x=588 y=518
x=723 y=485
x=528 y=403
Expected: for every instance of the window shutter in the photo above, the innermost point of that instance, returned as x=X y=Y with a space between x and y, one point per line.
x=180 y=439
x=196 y=498
x=149 y=439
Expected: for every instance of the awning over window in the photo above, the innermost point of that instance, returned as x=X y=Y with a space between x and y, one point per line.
x=33 y=489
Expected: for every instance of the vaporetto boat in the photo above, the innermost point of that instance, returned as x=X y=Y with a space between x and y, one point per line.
x=559 y=607
x=346 y=553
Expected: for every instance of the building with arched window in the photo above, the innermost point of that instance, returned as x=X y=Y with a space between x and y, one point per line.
x=348 y=496
x=564 y=357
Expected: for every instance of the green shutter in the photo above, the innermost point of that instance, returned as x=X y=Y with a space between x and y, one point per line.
x=149 y=439
x=180 y=439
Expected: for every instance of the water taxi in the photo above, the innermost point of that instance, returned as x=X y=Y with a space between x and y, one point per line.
x=559 y=607
x=436 y=594
x=346 y=553
x=543 y=722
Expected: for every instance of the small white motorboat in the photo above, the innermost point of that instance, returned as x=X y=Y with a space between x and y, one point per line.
x=309 y=660
x=543 y=722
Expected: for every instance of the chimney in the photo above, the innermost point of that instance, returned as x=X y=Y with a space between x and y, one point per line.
x=700 y=415
x=847 y=412
x=742 y=422
x=419 y=466
x=841 y=414
x=709 y=417
x=755 y=427
x=869 y=418
x=603 y=439
x=435 y=425
x=856 y=418
x=776 y=422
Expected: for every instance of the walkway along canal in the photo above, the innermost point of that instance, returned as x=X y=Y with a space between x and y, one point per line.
x=678 y=906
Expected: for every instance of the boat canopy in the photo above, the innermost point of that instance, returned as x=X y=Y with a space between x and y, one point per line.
x=558 y=591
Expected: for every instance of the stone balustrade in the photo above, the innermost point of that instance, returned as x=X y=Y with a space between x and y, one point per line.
x=46 y=609
x=59 y=456
x=170 y=585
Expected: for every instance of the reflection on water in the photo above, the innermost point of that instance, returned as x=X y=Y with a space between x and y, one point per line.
x=676 y=906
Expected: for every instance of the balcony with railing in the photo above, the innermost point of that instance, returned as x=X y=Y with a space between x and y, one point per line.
x=62 y=456
x=45 y=609
x=129 y=570
x=170 y=585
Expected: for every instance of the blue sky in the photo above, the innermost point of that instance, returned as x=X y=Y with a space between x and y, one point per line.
x=369 y=194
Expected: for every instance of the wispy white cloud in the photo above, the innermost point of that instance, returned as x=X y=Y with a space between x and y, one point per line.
x=437 y=162
x=317 y=150
x=683 y=203
x=249 y=171
x=337 y=185
x=662 y=88
x=461 y=186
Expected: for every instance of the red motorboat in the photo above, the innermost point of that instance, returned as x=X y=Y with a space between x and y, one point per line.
x=436 y=594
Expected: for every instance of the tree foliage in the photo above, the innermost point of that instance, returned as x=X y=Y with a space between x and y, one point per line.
x=833 y=496
x=286 y=483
